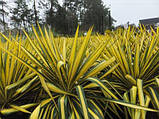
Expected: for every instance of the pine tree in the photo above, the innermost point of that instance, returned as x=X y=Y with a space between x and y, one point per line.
x=71 y=7
x=51 y=12
x=35 y=13
x=97 y=15
x=37 y=7
x=22 y=16
x=3 y=14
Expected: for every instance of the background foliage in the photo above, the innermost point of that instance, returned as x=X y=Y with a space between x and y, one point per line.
x=63 y=18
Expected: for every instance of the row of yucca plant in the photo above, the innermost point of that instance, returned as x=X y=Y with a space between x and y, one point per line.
x=81 y=77
x=136 y=77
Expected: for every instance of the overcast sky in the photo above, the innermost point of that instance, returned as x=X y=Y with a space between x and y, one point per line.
x=132 y=10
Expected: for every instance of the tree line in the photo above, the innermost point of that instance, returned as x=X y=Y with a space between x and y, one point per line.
x=63 y=17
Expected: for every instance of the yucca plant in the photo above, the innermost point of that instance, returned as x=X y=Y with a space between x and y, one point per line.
x=16 y=80
x=66 y=74
x=136 y=77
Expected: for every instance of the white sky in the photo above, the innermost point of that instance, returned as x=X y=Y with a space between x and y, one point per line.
x=132 y=10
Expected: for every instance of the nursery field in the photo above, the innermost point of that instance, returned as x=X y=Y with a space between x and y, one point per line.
x=111 y=76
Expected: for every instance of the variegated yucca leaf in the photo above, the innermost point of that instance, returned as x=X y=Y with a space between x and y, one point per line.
x=16 y=80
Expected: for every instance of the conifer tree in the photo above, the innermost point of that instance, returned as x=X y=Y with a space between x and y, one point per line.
x=3 y=14
x=22 y=15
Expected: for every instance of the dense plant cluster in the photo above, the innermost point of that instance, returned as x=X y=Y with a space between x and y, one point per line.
x=92 y=76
